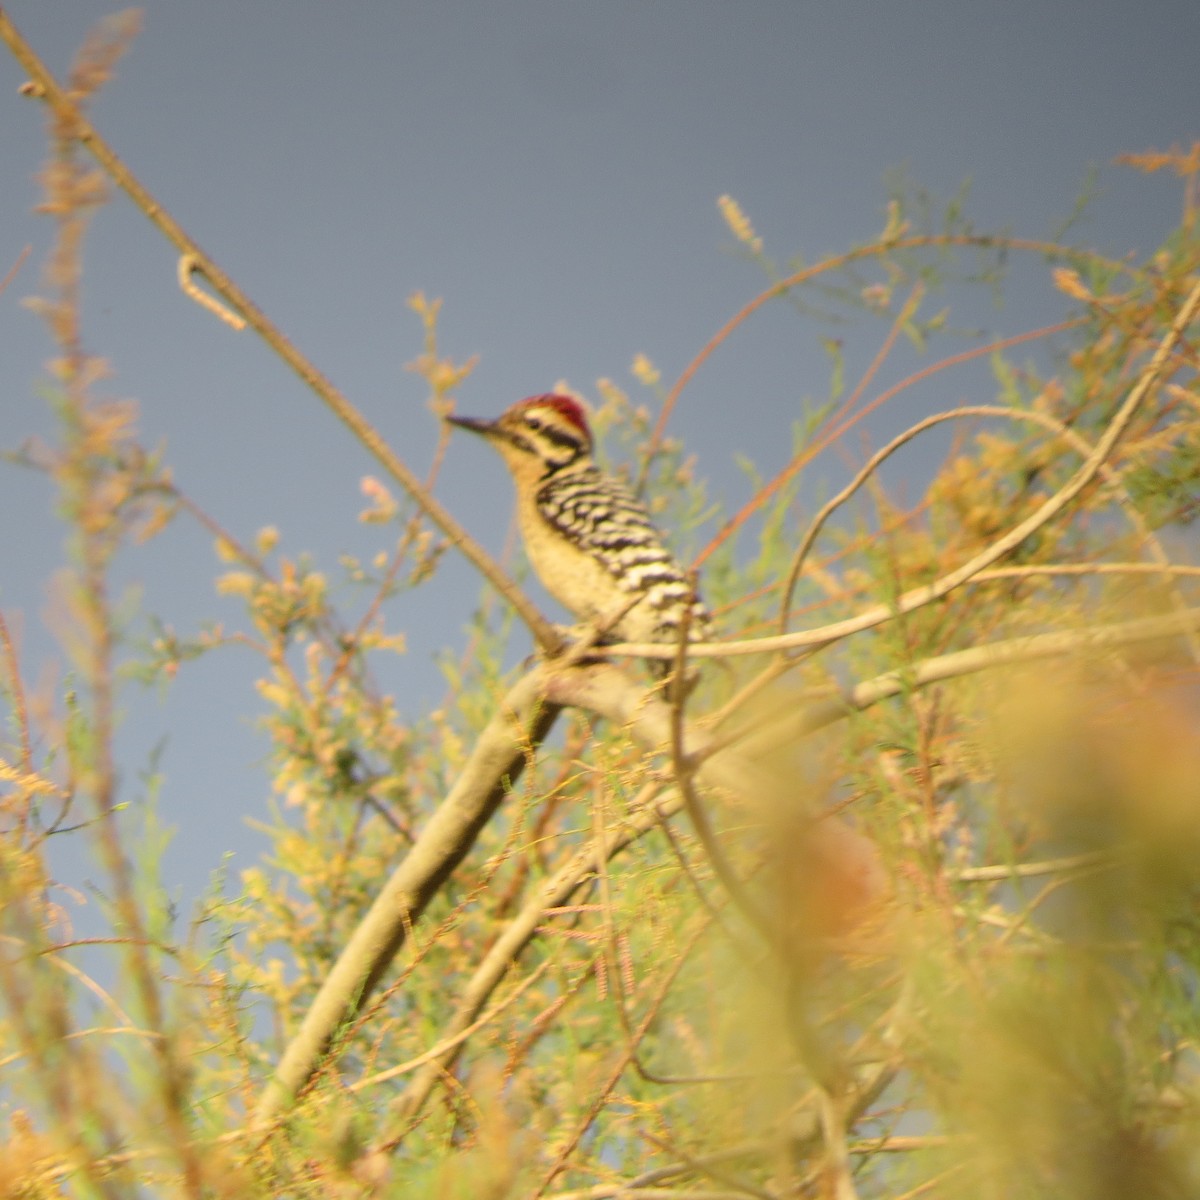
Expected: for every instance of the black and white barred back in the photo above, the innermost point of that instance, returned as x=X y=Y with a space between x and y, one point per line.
x=590 y=540
x=601 y=515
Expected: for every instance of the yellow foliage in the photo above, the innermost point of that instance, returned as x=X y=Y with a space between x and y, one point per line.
x=739 y=223
x=644 y=371
x=236 y=583
x=266 y=539
x=383 y=506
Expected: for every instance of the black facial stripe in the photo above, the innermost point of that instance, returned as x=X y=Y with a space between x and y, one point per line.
x=560 y=437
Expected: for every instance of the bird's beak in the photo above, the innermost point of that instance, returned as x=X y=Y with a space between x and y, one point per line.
x=475 y=425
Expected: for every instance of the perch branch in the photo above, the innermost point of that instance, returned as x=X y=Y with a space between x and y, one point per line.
x=499 y=757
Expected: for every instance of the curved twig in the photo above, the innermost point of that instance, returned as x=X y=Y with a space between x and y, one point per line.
x=189 y=265
x=48 y=89
x=874 y=250
x=928 y=593
x=830 y=436
x=683 y=768
x=1162 y=562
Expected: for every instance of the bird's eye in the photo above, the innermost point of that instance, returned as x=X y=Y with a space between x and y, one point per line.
x=533 y=422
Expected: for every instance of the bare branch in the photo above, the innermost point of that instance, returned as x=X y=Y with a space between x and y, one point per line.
x=978 y=410
x=684 y=770
x=920 y=597
x=826 y=710
x=579 y=870
x=500 y=755
x=194 y=258
x=874 y=250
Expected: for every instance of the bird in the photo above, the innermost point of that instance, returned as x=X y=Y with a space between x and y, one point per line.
x=589 y=539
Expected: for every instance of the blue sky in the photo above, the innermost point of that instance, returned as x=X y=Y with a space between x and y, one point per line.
x=550 y=169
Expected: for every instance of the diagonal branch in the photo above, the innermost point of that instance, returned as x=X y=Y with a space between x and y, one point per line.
x=617 y=697
x=49 y=90
x=500 y=755
x=1046 y=421
x=578 y=871
x=929 y=593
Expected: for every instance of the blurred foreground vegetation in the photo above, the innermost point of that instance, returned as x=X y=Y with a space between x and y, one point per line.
x=943 y=942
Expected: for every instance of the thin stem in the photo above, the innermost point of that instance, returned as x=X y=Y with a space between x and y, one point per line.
x=920 y=597
x=84 y=132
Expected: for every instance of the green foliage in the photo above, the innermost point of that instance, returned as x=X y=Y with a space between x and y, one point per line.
x=1169 y=491
x=971 y=959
